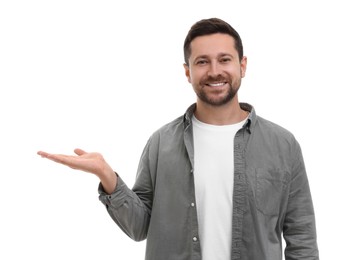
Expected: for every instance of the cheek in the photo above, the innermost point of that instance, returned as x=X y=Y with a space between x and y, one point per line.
x=236 y=73
x=191 y=77
x=196 y=76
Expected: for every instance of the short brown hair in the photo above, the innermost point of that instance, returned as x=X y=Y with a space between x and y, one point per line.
x=211 y=26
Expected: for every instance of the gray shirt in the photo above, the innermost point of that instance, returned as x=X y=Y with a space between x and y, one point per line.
x=271 y=195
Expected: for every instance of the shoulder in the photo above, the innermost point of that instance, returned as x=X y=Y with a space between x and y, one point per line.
x=167 y=134
x=272 y=127
x=172 y=127
x=271 y=131
x=177 y=126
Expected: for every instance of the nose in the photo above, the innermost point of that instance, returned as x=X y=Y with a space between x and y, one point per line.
x=214 y=69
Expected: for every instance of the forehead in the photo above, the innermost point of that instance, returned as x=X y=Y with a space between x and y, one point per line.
x=212 y=45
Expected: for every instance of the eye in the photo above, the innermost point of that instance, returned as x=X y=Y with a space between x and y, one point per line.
x=225 y=59
x=201 y=62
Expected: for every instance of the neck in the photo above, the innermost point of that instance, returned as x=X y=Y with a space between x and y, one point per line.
x=226 y=114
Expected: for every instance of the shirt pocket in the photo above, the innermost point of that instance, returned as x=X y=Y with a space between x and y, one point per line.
x=271 y=185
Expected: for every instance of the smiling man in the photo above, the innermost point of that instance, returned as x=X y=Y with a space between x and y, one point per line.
x=219 y=182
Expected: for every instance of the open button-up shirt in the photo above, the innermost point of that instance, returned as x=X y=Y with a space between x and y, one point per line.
x=271 y=195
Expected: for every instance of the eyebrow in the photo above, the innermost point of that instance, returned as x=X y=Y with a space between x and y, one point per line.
x=222 y=54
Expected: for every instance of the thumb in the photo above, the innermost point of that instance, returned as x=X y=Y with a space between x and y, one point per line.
x=79 y=152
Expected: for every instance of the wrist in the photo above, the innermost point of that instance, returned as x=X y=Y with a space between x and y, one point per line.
x=108 y=179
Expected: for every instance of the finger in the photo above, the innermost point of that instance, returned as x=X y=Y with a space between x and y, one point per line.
x=67 y=160
x=59 y=158
x=79 y=151
x=43 y=154
x=54 y=157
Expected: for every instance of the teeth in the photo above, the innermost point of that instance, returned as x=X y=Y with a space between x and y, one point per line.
x=217 y=84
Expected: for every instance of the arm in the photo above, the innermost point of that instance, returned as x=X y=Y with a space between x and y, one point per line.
x=299 y=228
x=131 y=209
x=129 y=212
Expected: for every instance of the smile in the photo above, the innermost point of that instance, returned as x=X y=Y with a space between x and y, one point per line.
x=216 y=84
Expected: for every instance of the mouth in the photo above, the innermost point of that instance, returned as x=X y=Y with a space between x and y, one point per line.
x=217 y=84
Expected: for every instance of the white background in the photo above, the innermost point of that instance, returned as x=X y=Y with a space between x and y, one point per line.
x=103 y=75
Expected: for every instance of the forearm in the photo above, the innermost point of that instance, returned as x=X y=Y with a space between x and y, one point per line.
x=301 y=240
x=127 y=210
x=131 y=208
x=299 y=225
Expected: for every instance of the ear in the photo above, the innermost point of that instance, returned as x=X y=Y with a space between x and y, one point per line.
x=187 y=72
x=243 y=65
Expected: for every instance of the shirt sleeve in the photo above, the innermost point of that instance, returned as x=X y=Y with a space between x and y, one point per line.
x=131 y=208
x=299 y=228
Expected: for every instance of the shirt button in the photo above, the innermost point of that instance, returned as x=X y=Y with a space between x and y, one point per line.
x=192 y=204
x=194 y=239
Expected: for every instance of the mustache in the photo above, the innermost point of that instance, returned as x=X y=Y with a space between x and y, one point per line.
x=216 y=79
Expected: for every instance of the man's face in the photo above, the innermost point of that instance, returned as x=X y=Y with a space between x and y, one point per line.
x=215 y=70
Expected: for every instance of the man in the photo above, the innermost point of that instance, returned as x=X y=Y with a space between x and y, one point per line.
x=219 y=182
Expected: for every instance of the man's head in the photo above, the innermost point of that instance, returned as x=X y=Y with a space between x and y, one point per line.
x=207 y=27
x=214 y=62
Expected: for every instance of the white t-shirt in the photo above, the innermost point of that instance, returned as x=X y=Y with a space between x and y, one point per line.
x=214 y=182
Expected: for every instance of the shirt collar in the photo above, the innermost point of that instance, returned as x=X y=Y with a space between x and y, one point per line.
x=245 y=106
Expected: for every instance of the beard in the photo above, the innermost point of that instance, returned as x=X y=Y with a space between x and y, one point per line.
x=213 y=98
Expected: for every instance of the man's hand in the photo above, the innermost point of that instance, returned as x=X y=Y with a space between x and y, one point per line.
x=89 y=162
